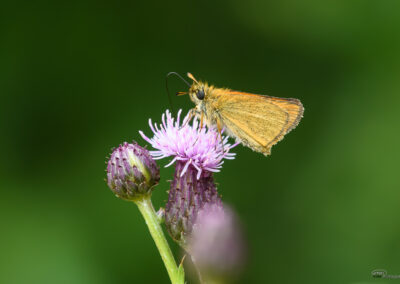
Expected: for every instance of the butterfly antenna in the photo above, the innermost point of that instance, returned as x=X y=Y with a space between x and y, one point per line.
x=166 y=86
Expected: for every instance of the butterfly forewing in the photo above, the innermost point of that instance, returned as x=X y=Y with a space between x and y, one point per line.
x=258 y=121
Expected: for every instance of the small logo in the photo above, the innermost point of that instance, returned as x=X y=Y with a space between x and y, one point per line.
x=379 y=273
x=382 y=273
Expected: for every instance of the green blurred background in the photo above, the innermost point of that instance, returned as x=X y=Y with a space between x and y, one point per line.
x=79 y=77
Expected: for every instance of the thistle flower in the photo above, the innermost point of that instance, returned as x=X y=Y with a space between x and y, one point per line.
x=203 y=148
x=216 y=243
x=131 y=171
x=197 y=152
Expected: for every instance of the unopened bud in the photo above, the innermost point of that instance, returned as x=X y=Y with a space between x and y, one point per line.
x=131 y=171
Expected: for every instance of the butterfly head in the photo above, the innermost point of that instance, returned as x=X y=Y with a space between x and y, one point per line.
x=198 y=90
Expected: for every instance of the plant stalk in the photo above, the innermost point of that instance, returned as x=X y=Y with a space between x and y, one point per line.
x=149 y=214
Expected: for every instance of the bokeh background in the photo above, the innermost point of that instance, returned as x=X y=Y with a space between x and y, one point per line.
x=79 y=77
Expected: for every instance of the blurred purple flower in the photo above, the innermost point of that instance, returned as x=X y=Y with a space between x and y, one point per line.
x=201 y=148
x=216 y=243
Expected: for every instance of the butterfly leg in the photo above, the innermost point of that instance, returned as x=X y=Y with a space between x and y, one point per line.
x=192 y=113
x=201 y=120
x=219 y=128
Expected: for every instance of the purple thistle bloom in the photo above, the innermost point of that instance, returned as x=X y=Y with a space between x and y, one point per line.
x=201 y=148
x=197 y=153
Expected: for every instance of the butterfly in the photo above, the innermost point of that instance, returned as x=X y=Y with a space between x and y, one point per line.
x=256 y=121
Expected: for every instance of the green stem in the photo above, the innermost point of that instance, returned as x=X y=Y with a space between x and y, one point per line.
x=152 y=221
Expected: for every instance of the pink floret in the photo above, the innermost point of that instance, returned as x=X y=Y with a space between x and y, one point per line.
x=201 y=148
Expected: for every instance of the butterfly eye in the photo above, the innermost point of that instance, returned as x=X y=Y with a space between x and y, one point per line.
x=200 y=94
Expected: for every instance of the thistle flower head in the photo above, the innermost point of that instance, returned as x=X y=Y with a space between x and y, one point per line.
x=131 y=171
x=187 y=195
x=202 y=148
